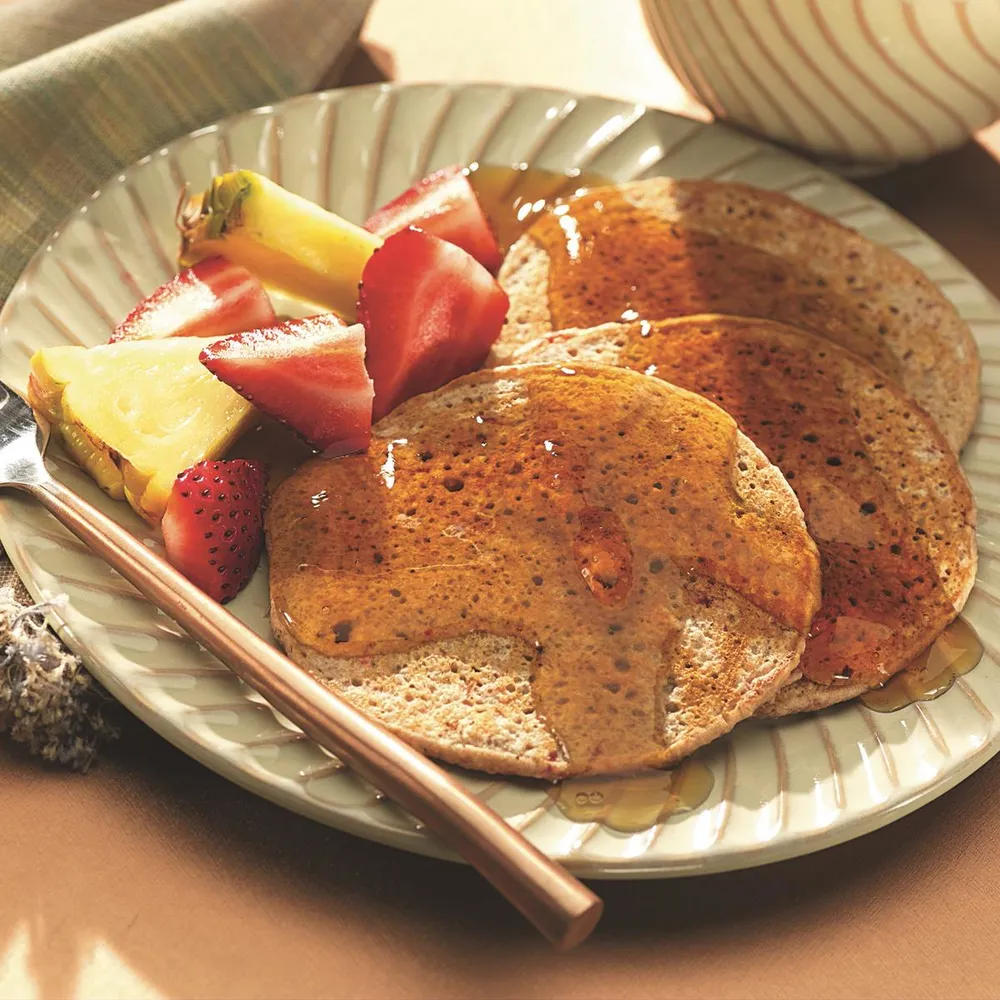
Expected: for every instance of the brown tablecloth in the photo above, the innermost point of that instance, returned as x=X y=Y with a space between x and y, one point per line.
x=153 y=877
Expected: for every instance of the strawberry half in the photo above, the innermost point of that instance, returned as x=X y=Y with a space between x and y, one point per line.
x=430 y=313
x=307 y=373
x=213 y=528
x=212 y=299
x=445 y=205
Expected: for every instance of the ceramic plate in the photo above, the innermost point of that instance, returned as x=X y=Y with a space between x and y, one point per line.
x=779 y=789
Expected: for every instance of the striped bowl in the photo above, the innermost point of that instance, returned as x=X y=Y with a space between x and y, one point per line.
x=867 y=83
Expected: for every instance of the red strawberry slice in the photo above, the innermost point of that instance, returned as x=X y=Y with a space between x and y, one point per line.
x=308 y=373
x=430 y=313
x=445 y=205
x=213 y=528
x=212 y=299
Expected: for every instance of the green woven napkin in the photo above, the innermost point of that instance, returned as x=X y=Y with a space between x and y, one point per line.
x=125 y=76
x=87 y=87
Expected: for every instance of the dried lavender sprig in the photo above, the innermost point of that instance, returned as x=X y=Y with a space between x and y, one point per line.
x=48 y=701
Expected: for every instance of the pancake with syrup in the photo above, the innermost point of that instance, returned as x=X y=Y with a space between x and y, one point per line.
x=547 y=571
x=883 y=494
x=662 y=248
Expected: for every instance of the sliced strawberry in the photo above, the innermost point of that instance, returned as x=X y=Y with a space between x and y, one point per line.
x=213 y=528
x=445 y=205
x=430 y=313
x=212 y=299
x=307 y=373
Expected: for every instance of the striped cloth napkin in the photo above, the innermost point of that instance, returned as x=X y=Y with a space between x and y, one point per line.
x=87 y=87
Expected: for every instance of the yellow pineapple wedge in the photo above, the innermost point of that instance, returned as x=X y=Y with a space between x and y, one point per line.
x=287 y=241
x=136 y=413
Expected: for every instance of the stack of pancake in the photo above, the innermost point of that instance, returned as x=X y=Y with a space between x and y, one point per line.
x=710 y=473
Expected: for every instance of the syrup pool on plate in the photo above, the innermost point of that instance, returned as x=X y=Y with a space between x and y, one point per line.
x=953 y=654
x=634 y=803
x=514 y=197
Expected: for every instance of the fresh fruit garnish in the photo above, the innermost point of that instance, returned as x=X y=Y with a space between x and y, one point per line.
x=289 y=242
x=308 y=373
x=211 y=299
x=136 y=413
x=444 y=205
x=213 y=527
x=430 y=312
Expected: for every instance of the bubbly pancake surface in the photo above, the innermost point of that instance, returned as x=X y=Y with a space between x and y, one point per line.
x=660 y=248
x=648 y=568
x=883 y=494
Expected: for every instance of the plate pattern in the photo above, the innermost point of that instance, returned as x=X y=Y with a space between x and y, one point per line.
x=781 y=788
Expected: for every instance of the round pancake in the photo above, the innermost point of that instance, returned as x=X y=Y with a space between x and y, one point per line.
x=547 y=571
x=661 y=248
x=884 y=496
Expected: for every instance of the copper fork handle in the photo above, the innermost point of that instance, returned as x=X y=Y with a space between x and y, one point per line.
x=560 y=906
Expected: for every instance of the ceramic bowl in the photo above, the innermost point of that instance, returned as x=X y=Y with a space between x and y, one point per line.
x=852 y=82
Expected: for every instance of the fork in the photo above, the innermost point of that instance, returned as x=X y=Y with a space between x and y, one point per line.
x=560 y=906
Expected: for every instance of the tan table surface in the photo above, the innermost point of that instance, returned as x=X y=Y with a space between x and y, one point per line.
x=153 y=877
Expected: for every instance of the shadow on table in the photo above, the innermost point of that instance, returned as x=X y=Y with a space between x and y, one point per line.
x=956 y=198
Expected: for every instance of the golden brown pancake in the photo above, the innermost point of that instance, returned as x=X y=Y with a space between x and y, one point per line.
x=661 y=248
x=547 y=571
x=884 y=496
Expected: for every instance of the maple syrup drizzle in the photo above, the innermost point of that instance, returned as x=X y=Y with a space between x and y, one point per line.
x=633 y=803
x=586 y=522
x=611 y=261
x=518 y=198
x=956 y=652
x=880 y=550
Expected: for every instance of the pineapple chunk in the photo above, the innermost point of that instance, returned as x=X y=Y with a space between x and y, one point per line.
x=287 y=241
x=134 y=414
